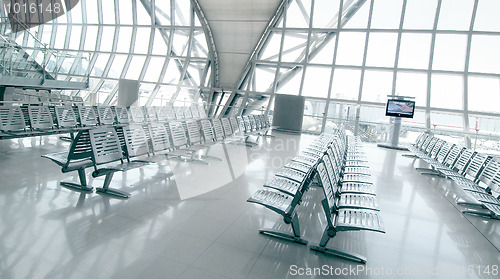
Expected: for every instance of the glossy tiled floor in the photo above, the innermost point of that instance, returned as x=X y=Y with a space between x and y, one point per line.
x=188 y=220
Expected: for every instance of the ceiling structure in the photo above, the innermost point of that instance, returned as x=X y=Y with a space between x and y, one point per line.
x=237 y=27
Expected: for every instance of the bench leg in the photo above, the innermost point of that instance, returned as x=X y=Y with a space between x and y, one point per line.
x=327 y=235
x=479 y=213
x=82 y=187
x=105 y=190
x=296 y=231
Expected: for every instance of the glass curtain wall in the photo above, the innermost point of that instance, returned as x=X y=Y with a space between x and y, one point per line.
x=162 y=44
x=346 y=56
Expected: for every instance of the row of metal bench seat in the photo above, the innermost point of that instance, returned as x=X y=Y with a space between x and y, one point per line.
x=338 y=164
x=476 y=173
x=34 y=120
x=143 y=143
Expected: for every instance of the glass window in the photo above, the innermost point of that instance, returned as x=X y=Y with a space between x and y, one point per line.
x=272 y=47
x=447 y=91
x=325 y=12
x=313 y=115
x=377 y=85
x=194 y=72
x=381 y=49
x=124 y=39
x=142 y=37
x=90 y=38
x=298 y=16
x=135 y=67
x=76 y=13
x=351 y=48
x=163 y=11
x=100 y=65
x=108 y=12
x=447 y=121
x=360 y=18
x=107 y=37
x=60 y=36
x=316 y=81
x=183 y=13
x=325 y=55
x=414 y=51
x=455 y=14
x=180 y=41
x=172 y=75
x=386 y=14
x=92 y=11
x=126 y=16
x=294 y=47
x=292 y=86
x=484 y=93
x=487 y=16
x=485 y=54
x=264 y=77
x=159 y=45
x=117 y=67
x=345 y=84
x=449 y=52
x=420 y=14
x=412 y=84
x=143 y=17
x=76 y=33
x=199 y=47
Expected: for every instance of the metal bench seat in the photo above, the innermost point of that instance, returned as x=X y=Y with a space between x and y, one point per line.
x=491 y=211
x=355 y=164
x=358 y=219
x=307 y=160
x=360 y=178
x=299 y=167
x=284 y=205
x=357 y=188
x=292 y=174
x=357 y=170
x=284 y=185
x=482 y=198
x=360 y=201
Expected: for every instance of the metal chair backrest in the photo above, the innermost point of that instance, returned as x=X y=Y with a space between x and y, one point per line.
x=65 y=116
x=106 y=115
x=136 y=141
x=40 y=117
x=178 y=134
x=106 y=147
x=160 y=140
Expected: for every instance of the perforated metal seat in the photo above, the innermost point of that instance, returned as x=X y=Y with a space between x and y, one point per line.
x=351 y=219
x=284 y=185
x=360 y=201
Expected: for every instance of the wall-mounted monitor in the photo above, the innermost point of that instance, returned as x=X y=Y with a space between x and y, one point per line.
x=400 y=108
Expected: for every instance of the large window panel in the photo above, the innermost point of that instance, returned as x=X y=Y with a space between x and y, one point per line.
x=142 y=40
x=325 y=55
x=447 y=121
x=264 y=77
x=485 y=54
x=414 y=85
x=386 y=14
x=325 y=13
x=447 y=91
x=91 y=38
x=100 y=65
x=313 y=115
x=124 y=38
x=351 y=48
x=381 y=49
x=107 y=37
x=377 y=85
x=294 y=47
x=117 y=66
x=449 y=52
x=92 y=14
x=159 y=45
x=420 y=14
x=414 y=51
x=76 y=33
x=172 y=75
x=292 y=86
x=182 y=13
x=272 y=47
x=316 y=81
x=345 y=84
x=154 y=69
x=455 y=14
x=360 y=18
x=298 y=14
x=126 y=16
x=108 y=11
x=484 y=94
x=135 y=67
x=487 y=16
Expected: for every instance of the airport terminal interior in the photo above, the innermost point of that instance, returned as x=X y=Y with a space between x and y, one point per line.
x=249 y=139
